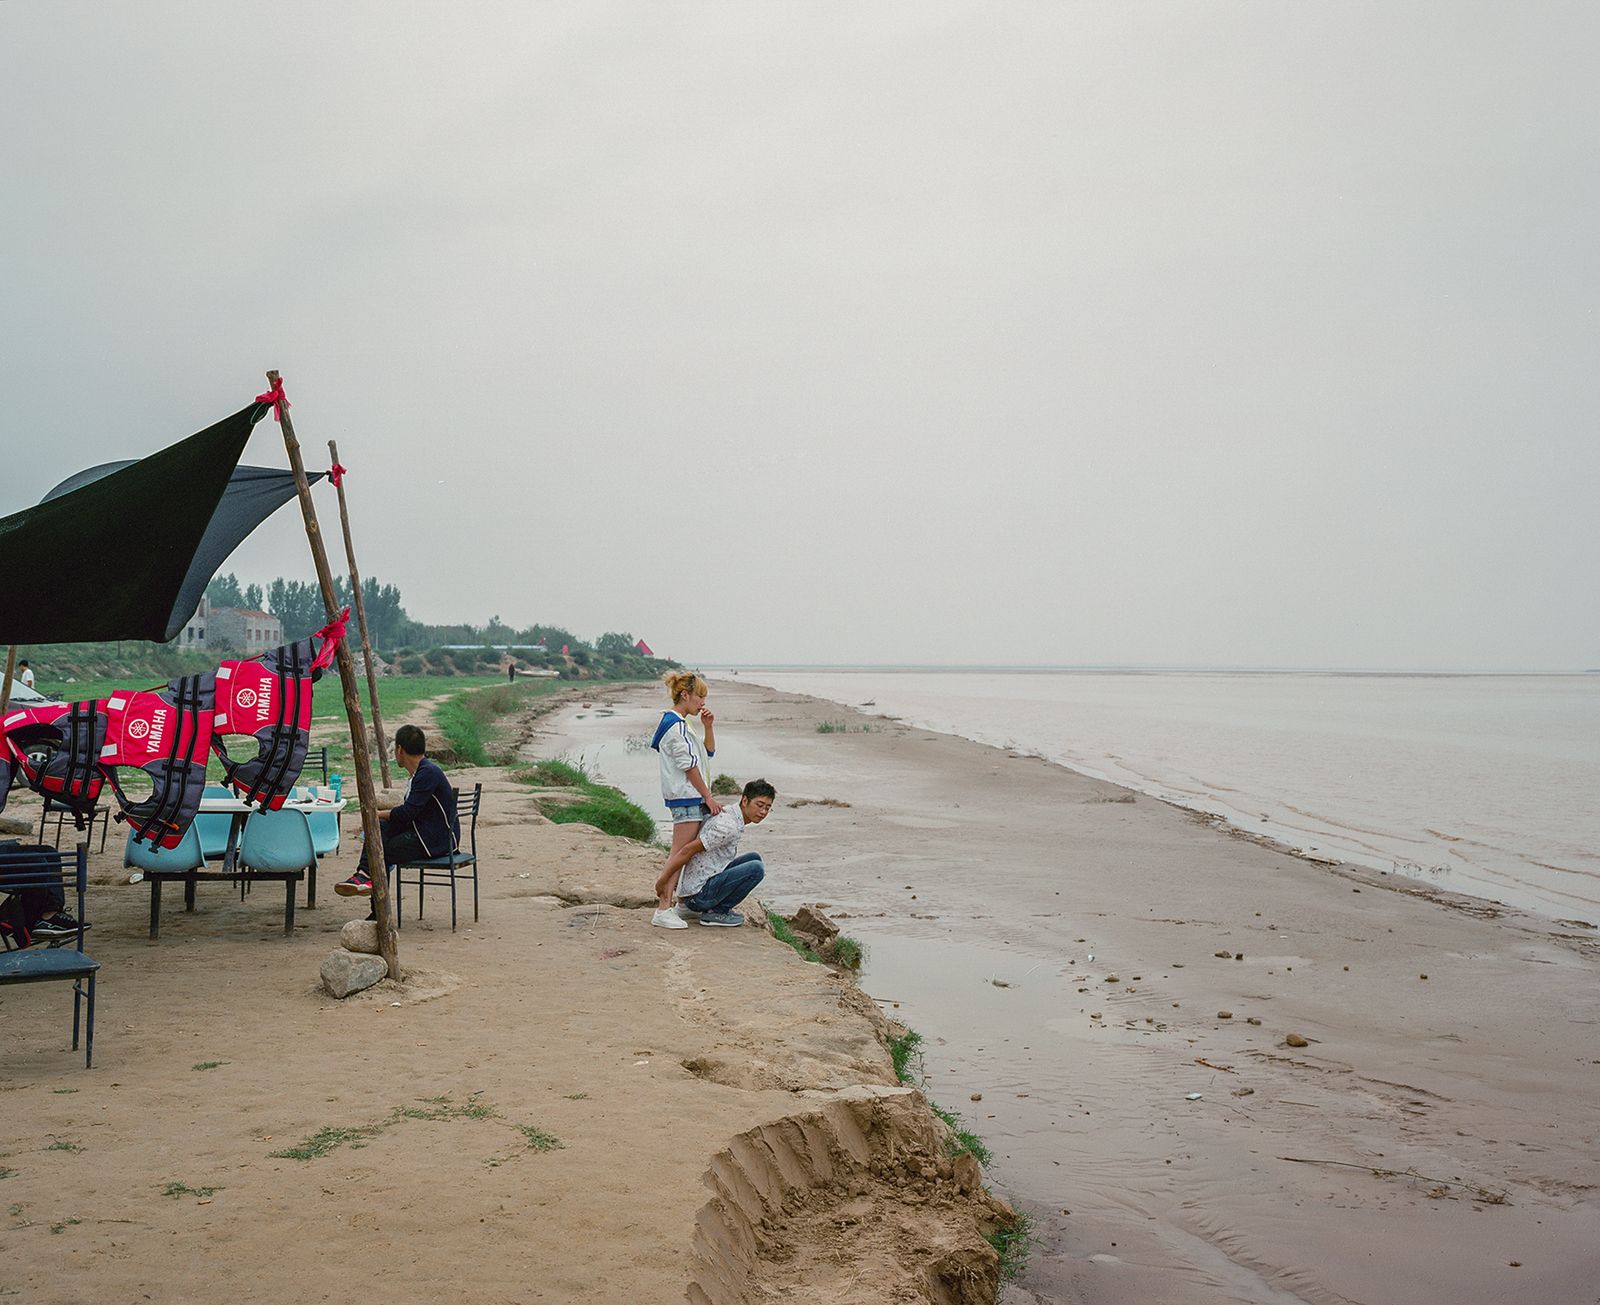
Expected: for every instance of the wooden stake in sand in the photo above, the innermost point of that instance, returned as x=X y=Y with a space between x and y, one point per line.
x=11 y=669
x=388 y=946
x=361 y=617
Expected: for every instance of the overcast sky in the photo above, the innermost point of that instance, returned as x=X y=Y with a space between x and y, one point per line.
x=1212 y=334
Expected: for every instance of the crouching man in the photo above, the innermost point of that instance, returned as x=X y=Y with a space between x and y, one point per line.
x=716 y=878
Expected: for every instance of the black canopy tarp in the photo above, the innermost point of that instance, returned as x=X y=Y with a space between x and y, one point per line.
x=253 y=494
x=125 y=553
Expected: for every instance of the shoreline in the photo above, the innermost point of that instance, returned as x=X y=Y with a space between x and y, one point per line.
x=1053 y=937
x=1513 y=871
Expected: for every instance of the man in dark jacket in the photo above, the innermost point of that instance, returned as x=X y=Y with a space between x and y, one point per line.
x=424 y=825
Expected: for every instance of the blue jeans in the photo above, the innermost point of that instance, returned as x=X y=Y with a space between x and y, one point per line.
x=729 y=886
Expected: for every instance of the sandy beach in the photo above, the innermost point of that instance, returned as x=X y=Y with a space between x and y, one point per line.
x=1085 y=960
x=559 y=1103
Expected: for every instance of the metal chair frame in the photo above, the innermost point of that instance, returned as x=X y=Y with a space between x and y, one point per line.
x=44 y=964
x=444 y=871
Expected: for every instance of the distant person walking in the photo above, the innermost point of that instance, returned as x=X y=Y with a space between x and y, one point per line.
x=716 y=877
x=24 y=674
x=511 y=672
x=685 y=787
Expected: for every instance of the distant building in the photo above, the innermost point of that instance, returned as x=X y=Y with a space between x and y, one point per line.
x=643 y=647
x=243 y=628
x=193 y=634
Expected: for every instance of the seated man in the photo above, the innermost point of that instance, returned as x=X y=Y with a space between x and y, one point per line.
x=715 y=877
x=424 y=825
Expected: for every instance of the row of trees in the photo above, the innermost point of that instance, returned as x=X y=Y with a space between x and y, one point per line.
x=298 y=604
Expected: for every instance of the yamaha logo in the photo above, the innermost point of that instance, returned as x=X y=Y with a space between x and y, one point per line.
x=138 y=729
x=247 y=697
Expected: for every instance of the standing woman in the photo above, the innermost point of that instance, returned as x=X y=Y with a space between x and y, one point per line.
x=684 y=785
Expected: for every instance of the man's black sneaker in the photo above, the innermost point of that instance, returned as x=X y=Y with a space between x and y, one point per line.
x=59 y=925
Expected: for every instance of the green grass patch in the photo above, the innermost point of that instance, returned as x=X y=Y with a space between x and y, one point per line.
x=1013 y=1242
x=965 y=1141
x=324 y=1142
x=64 y=1225
x=537 y=1139
x=63 y=1146
x=208 y=1064
x=468 y=721
x=5 y=1173
x=183 y=1189
x=444 y=1108
x=599 y=805
x=845 y=727
x=905 y=1054
x=726 y=786
x=848 y=952
x=784 y=934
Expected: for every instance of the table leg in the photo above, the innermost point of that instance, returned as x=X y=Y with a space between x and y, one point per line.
x=155 y=909
x=188 y=891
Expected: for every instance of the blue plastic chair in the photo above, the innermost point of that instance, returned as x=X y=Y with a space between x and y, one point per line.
x=214 y=827
x=324 y=831
x=278 y=845
x=148 y=856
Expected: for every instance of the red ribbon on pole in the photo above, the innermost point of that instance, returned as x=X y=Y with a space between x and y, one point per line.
x=276 y=397
x=336 y=474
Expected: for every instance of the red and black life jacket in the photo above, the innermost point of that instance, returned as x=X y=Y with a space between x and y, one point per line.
x=167 y=734
x=269 y=699
x=56 y=750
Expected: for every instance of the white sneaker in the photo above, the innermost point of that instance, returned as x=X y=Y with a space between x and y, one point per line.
x=668 y=919
x=684 y=913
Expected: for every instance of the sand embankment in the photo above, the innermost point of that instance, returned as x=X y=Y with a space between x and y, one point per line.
x=1084 y=959
x=559 y=1104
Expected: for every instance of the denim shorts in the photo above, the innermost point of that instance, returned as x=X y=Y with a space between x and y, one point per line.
x=698 y=814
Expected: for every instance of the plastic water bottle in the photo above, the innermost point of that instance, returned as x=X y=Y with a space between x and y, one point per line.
x=337 y=781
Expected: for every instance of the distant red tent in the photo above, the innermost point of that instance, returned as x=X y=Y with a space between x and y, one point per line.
x=643 y=647
x=565 y=650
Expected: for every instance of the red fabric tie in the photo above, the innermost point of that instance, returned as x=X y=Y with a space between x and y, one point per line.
x=330 y=634
x=336 y=474
x=276 y=398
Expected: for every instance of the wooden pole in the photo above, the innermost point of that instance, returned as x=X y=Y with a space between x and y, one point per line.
x=11 y=669
x=388 y=946
x=361 y=620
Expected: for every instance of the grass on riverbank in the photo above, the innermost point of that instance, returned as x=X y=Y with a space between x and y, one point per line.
x=469 y=721
x=595 y=804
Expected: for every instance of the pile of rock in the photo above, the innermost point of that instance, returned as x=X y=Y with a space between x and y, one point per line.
x=355 y=964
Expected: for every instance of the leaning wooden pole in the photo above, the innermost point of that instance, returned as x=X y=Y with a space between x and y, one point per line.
x=11 y=669
x=361 y=619
x=388 y=945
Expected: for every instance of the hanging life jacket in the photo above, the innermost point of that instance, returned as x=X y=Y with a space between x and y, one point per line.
x=269 y=698
x=167 y=734
x=56 y=750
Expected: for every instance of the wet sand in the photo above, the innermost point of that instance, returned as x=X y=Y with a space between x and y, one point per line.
x=1056 y=940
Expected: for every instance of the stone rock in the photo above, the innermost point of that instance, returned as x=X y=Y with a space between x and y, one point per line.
x=1224 y=955
x=1252 y=1020
x=977 y=1096
x=1224 y=1014
x=360 y=936
x=13 y=825
x=810 y=920
x=1295 y=1040
x=346 y=972
x=1112 y=978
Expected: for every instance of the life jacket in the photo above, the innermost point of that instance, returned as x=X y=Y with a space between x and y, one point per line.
x=167 y=734
x=269 y=698
x=56 y=750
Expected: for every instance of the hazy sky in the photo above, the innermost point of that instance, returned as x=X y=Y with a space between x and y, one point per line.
x=1224 y=334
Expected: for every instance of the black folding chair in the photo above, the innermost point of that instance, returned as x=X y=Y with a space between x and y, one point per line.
x=61 y=810
x=444 y=871
x=316 y=759
x=43 y=871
